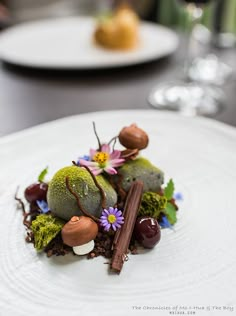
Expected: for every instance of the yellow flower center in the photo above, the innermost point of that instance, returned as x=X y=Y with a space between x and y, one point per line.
x=111 y=218
x=101 y=157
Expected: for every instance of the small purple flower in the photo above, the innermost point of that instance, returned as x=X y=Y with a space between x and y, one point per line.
x=43 y=206
x=111 y=218
x=178 y=196
x=164 y=223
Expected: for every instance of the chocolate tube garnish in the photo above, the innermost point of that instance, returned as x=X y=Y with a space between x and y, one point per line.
x=123 y=236
x=116 y=238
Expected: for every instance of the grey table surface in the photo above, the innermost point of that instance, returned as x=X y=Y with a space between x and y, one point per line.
x=29 y=96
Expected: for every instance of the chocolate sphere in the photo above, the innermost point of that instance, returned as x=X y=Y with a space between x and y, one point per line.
x=133 y=137
x=147 y=231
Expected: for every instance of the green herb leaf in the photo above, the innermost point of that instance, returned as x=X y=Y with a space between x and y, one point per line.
x=169 y=190
x=170 y=213
x=43 y=174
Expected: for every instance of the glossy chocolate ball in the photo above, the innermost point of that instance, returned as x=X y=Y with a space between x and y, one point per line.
x=36 y=191
x=133 y=137
x=147 y=231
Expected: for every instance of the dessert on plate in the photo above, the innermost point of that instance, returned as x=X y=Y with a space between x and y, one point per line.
x=118 y=31
x=108 y=202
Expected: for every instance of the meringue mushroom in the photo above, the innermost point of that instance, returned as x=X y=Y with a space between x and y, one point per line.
x=80 y=233
x=133 y=137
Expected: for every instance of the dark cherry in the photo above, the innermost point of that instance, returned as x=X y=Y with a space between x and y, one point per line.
x=36 y=191
x=147 y=231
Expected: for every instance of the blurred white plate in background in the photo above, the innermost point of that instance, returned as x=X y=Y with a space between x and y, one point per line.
x=67 y=43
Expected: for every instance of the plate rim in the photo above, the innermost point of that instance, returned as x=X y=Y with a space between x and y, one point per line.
x=208 y=122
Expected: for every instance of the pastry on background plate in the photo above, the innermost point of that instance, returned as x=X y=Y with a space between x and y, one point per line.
x=119 y=31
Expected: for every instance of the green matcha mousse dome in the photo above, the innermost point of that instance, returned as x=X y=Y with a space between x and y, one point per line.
x=141 y=169
x=63 y=204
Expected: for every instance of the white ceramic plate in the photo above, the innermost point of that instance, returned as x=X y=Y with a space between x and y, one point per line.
x=193 y=266
x=68 y=44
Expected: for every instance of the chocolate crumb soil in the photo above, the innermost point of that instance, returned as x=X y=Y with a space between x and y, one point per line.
x=103 y=245
x=57 y=248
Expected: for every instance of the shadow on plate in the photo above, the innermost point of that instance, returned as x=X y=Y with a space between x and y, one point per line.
x=134 y=70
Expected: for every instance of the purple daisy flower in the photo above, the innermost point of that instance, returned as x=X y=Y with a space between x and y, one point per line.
x=111 y=218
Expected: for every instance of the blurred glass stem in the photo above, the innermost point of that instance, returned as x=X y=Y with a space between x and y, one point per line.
x=188 y=97
x=195 y=14
x=223 y=24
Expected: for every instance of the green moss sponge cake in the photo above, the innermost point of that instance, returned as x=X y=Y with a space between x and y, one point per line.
x=141 y=169
x=63 y=204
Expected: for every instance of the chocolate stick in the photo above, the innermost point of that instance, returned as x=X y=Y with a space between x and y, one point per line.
x=123 y=236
